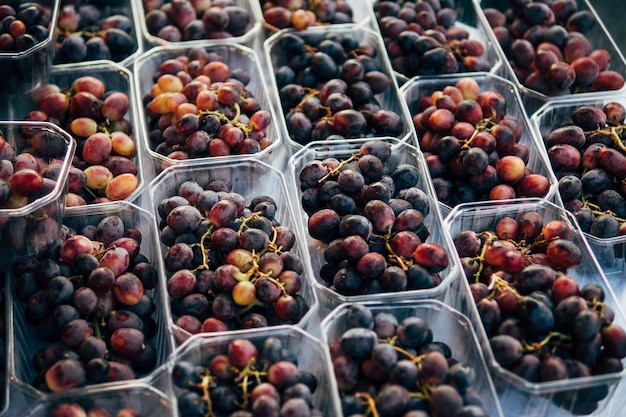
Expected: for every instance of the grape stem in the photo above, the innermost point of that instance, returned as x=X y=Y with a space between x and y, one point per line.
x=480 y=258
x=371 y=403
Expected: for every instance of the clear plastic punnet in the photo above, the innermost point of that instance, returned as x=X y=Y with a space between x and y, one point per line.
x=279 y=353
x=34 y=199
x=589 y=382
x=220 y=262
x=91 y=30
x=168 y=147
x=177 y=23
x=417 y=92
x=352 y=97
x=325 y=250
x=447 y=326
x=557 y=130
x=462 y=25
x=116 y=303
x=537 y=91
x=125 y=156
x=135 y=399
x=26 y=64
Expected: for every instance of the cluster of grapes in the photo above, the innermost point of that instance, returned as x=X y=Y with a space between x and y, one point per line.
x=329 y=85
x=68 y=409
x=549 y=50
x=103 y=168
x=26 y=177
x=231 y=262
x=200 y=107
x=372 y=220
x=390 y=367
x=246 y=379
x=542 y=326
x=88 y=301
x=301 y=14
x=588 y=155
x=23 y=25
x=185 y=20
x=422 y=39
x=473 y=147
x=91 y=29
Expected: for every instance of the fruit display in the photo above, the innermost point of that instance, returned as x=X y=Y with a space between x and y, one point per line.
x=126 y=401
x=35 y=163
x=477 y=143
x=94 y=103
x=547 y=311
x=167 y=22
x=253 y=208
x=302 y=14
x=418 y=358
x=204 y=103
x=335 y=85
x=88 y=309
x=584 y=143
x=279 y=372
x=430 y=38
x=90 y=30
x=372 y=225
x=556 y=49
x=231 y=252
x=26 y=43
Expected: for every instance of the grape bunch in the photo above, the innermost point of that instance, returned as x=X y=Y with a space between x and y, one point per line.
x=29 y=171
x=370 y=214
x=301 y=14
x=588 y=155
x=422 y=38
x=24 y=28
x=89 y=30
x=332 y=86
x=88 y=299
x=229 y=260
x=199 y=106
x=24 y=25
x=188 y=20
x=104 y=167
x=388 y=366
x=72 y=409
x=245 y=379
x=542 y=326
x=550 y=49
x=472 y=145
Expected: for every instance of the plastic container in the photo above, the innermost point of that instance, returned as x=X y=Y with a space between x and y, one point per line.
x=610 y=252
x=248 y=38
x=142 y=398
x=120 y=52
x=389 y=99
x=517 y=395
x=238 y=58
x=468 y=19
x=419 y=87
x=447 y=325
x=249 y=178
x=25 y=337
x=598 y=36
x=23 y=71
x=20 y=237
x=401 y=153
x=5 y=346
x=358 y=14
x=115 y=78
x=310 y=355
